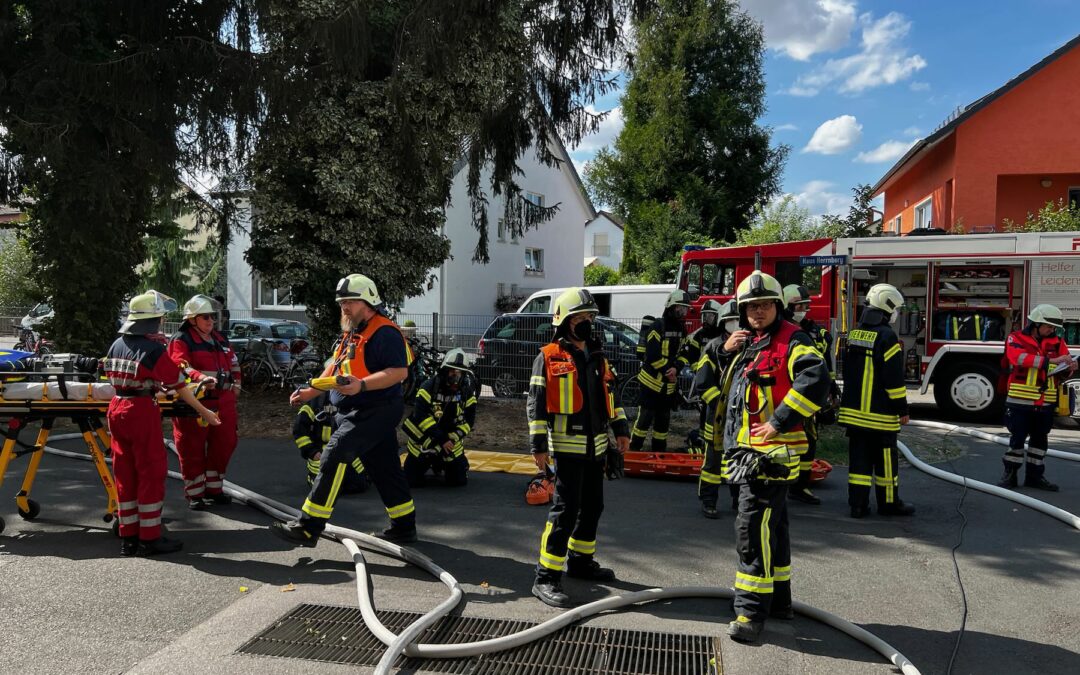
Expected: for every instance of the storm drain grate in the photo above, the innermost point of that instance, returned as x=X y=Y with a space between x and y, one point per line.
x=338 y=635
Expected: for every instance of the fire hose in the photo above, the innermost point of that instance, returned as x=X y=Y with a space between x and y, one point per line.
x=403 y=644
x=976 y=433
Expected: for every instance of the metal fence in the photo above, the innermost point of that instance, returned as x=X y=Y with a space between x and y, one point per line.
x=10 y=319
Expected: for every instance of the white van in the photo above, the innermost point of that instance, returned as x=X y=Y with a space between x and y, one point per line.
x=625 y=303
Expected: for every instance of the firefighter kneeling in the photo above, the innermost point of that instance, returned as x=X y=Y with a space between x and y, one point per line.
x=874 y=405
x=312 y=428
x=443 y=415
x=775 y=383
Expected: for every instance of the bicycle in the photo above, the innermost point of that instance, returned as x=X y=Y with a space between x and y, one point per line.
x=260 y=371
x=426 y=362
x=31 y=341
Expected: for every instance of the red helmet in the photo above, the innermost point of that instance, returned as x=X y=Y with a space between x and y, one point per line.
x=541 y=489
x=819 y=470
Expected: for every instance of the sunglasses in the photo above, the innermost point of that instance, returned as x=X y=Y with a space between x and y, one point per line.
x=210 y=317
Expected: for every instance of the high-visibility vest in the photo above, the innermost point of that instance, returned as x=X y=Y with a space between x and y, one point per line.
x=770 y=384
x=561 y=377
x=349 y=355
x=1029 y=382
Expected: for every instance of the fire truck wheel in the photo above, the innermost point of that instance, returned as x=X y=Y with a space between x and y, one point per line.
x=968 y=390
x=32 y=510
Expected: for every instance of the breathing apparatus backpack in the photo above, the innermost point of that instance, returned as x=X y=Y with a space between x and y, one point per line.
x=640 y=350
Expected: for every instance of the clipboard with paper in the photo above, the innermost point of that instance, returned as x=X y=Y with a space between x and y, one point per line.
x=1063 y=367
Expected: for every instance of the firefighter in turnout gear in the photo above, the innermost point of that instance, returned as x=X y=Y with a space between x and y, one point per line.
x=659 y=372
x=571 y=406
x=874 y=405
x=205 y=357
x=798 y=304
x=774 y=384
x=708 y=371
x=1033 y=394
x=443 y=415
x=312 y=428
x=138 y=367
x=369 y=363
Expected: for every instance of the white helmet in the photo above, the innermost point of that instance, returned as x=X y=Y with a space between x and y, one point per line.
x=884 y=297
x=1047 y=314
x=677 y=298
x=201 y=304
x=358 y=287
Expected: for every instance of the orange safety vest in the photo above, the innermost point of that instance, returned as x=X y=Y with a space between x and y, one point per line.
x=349 y=355
x=564 y=395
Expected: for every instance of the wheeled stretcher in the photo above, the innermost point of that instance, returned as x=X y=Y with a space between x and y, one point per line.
x=31 y=396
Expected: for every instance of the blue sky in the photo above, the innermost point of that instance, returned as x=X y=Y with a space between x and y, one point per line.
x=851 y=84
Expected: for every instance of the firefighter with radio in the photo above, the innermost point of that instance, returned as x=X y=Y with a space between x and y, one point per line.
x=797 y=298
x=312 y=428
x=138 y=367
x=708 y=371
x=662 y=361
x=776 y=381
x=1031 y=354
x=364 y=377
x=874 y=405
x=571 y=407
x=443 y=415
x=206 y=358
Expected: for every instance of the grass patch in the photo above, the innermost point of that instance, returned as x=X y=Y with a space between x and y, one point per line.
x=928 y=446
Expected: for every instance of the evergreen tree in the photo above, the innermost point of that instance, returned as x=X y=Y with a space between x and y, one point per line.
x=692 y=160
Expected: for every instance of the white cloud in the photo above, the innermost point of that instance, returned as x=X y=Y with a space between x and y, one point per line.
x=786 y=127
x=919 y=86
x=889 y=151
x=819 y=197
x=913 y=131
x=802 y=28
x=605 y=135
x=882 y=60
x=835 y=136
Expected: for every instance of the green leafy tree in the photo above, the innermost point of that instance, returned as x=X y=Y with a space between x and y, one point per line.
x=17 y=287
x=784 y=220
x=1052 y=217
x=102 y=100
x=859 y=221
x=601 y=275
x=177 y=263
x=376 y=105
x=692 y=161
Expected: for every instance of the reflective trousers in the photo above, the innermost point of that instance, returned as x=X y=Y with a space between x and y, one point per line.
x=873 y=460
x=1030 y=424
x=763 y=575
x=204 y=450
x=139 y=465
x=455 y=470
x=806 y=460
x=654 y=412
x=369 y=434
x=570 y=532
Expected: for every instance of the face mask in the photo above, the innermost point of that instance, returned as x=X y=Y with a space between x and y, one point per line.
x=583 y=330
x=731 y=325
x=798 y=316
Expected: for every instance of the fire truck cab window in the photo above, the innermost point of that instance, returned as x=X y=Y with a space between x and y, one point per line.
x=790 y=272
x=710 y=279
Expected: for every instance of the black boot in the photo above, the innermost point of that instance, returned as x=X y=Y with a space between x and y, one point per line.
x=782 y=613
x=860 y=511
x=897 y=508
x=804 y=495
x=743 y=629
x=197 y=504
x=295 y=533
x=550 y=593
x=709 y=511
x=1008 y=479
x=398 y=534
x=159 y=546
x=129 y=546
x=219 y=499
x=1039 y=483
x=587 y=568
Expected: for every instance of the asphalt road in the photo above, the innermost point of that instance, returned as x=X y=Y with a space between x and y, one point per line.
x=72 y=605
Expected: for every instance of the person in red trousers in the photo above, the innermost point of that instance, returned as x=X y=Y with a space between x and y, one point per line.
x=205 y=358
x=138 y=367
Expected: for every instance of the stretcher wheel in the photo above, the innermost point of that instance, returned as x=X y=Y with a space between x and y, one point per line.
x=32 y=510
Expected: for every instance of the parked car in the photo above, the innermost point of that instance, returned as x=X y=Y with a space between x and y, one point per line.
x=282 y=332
x=40 y=312
x=505 y=354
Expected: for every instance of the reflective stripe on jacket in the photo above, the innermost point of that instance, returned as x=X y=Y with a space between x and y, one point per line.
x=1029 y=363
x=875 y=395
x=663 y=341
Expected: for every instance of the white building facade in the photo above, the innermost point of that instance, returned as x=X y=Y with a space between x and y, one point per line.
x=604 y=240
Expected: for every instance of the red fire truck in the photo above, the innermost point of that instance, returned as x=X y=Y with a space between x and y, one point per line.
x=964 y=294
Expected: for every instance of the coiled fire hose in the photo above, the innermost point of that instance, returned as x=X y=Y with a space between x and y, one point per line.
x=402 y=644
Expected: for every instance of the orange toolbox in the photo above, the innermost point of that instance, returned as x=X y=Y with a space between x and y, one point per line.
x=669 y=464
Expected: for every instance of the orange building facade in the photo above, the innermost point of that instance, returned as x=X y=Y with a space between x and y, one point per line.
x=1002 y=157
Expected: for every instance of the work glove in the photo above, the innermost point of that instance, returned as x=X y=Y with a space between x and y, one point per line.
x=614 y=465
